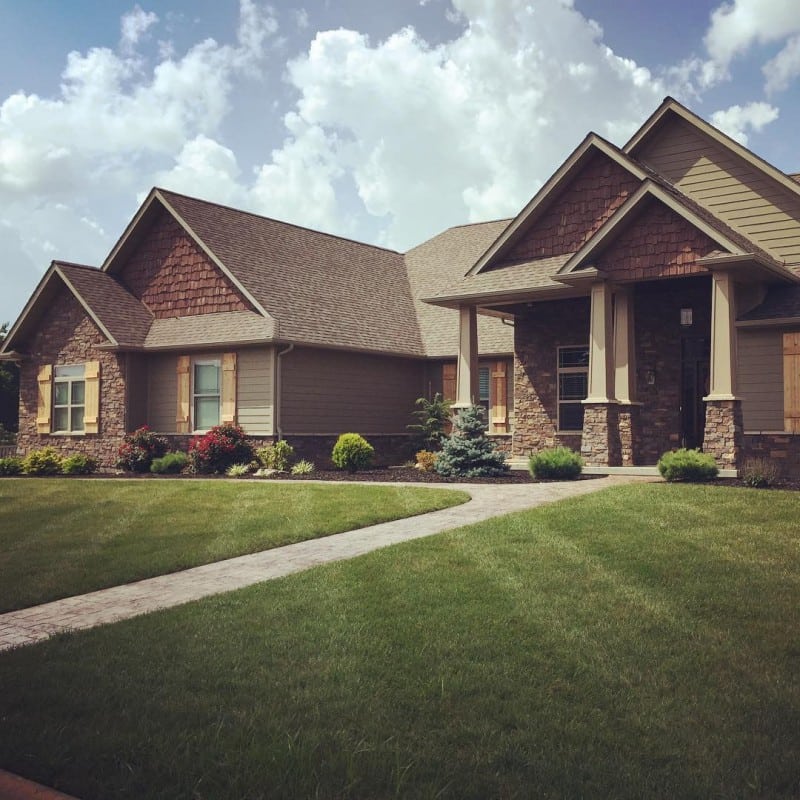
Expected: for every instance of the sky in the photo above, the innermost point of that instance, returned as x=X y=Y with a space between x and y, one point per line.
x=381 y=121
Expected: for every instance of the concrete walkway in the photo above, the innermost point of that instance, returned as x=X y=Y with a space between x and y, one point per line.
x=30 y=625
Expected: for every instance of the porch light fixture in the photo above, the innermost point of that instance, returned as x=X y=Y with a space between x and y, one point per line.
x=686 y=317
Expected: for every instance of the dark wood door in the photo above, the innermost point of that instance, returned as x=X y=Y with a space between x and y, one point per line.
x=695 y=373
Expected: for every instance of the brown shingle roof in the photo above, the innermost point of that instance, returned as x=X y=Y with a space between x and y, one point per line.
x=229 y=327
x=117 y=310
x=441 y=262
x=781 y=302
x=320 y=289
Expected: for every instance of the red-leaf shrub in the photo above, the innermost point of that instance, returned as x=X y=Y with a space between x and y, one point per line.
x=138 y=449
x=218 y=449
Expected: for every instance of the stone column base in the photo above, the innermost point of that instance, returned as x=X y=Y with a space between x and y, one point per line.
x=629 y=434
x=723 y=435
x=600 y=441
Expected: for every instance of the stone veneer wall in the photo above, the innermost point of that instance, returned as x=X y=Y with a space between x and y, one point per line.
x=723 y=432
x=68 y=336
x=629 y=432
x=600 y=442
x=538 y=332
x=658 y=335
x=783 y=449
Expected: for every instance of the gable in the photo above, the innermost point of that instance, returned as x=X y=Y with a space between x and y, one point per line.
x=657 y=243
x=736 y=191
x=583 y=205
x=173 y=277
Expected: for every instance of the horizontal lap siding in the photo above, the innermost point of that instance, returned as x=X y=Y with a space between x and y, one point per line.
x=734 y=190
x=760 y=379
x=162 y=393
x=255 y=391
x=329 y=391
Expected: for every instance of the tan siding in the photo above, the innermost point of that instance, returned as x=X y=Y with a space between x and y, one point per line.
x=760 y=379
x=327 y=391
x=255 y=390
x=162 y=393
x=734 y=190
x=137 y=392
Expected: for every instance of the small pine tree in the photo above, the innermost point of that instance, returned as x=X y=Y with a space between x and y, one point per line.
x=433 y=416
x=468 y=452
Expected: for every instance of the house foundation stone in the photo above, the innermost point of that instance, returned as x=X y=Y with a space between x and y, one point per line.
x=600 y=442
x=723 y=436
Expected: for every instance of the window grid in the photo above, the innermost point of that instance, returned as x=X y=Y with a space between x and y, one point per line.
x=206 y=394
x=573 y=381
x=69 y=399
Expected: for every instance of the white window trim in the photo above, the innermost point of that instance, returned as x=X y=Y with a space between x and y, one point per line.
x=563 y=371
x=69 y=405
x=205 y=362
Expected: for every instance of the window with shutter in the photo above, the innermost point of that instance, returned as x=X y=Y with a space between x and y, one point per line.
x=791 y=382
x=449 y=382
x=499 y=398
x=45 y=398
x=69 y=398
x=182 y=411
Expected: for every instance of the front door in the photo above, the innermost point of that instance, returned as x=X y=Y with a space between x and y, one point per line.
x=695 y=372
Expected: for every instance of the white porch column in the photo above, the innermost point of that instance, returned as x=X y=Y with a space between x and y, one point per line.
x=467 y=374
x=624 y=350
x=723 y=352
x=601 y=346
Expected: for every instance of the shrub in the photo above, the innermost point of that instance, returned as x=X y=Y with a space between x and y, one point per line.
x=687 y=465
x=46 y=461
x=352 y=452
x=79 y=464
x=468 y=452
x=555 y=464
x=276 y=456
x=426 y=461
x=11 y=465
x=220 y=448
x=169 y=464
x=433 y=418
x=138 y=449
x=237 y=470
x=759 y=473
x=303 y=467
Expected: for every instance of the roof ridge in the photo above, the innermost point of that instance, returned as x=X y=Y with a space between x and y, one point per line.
x=279 y=221
x=60 y=263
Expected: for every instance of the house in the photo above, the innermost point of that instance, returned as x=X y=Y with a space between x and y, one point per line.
x=646 y=298
x=203 y=314
x=655 y=292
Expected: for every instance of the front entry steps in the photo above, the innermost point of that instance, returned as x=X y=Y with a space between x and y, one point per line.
x=522 y=464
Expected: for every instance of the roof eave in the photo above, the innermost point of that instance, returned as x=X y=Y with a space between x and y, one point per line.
x=753 y=263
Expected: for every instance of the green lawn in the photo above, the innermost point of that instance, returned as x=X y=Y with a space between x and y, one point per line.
x=60 y=537
x=642 y=642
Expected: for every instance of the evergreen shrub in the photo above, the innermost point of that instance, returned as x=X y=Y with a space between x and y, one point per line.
x=555 y=464
x=352 y=452
x=169 y=464
x=468 y=452
x=276 y=456
x=46 y=461
x=433 y=417
x=690 y=466
x=11 y=465
x=79 y=464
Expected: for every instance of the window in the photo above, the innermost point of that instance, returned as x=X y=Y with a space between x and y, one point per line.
x=206 y=394
x=573 y=385
x=483 y=389
x=69 y=399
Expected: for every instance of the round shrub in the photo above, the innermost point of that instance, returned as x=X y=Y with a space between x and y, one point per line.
x=79 y=464
x=426 y=460
x=220 y=448
x=46 y=461
x=555 y=464
x=138 y=449
x=169 y=464
x=11 y=465
x=276 y=456
x=690 y=466
x=352 y=452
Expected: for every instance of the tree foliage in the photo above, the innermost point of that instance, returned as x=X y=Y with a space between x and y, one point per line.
x=9 y=391
x=469 y=452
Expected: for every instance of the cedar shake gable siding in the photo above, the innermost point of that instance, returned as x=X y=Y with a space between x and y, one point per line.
x=580 y=209
x=173 y=277
x=658 y=244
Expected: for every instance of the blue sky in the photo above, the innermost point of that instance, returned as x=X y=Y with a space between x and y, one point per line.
x=385 y=122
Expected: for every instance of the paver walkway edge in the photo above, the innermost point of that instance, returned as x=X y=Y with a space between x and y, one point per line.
x=37 y=623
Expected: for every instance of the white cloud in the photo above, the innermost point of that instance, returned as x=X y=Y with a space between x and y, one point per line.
x=134 y=25
x=737 y=120
x=784 y=68
x=433 y=136
x=300 y=18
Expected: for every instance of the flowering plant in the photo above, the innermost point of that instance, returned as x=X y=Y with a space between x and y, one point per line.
x=220 y=448
x=138 y=449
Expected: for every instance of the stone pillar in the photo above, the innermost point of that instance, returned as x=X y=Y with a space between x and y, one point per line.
x=723 y=436
x=467 y=369
x=629 y=433
x=600 y=442
x=600 y=437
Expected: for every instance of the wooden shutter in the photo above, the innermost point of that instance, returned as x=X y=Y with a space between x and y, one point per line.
x=45 y=399
x=91 y=412
x=449 y=382
x=791 y=382
x=498 y=393
x=182 y=416
x=229 y=388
